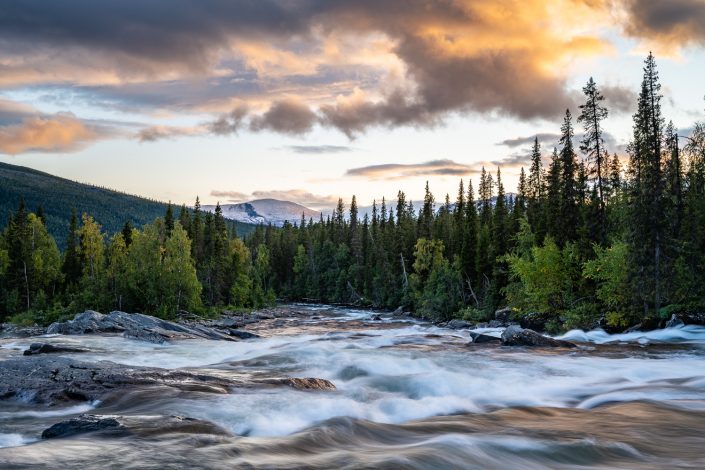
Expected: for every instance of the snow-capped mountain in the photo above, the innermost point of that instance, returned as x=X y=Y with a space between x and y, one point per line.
x=265 y=211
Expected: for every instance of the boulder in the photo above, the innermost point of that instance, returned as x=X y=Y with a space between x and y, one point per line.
x=46 y=348
x=678 y=319
x=518 y=336
x=81 y=425
x=534 y=321
x=9 y=330
x=458 y=324
x=503 y=315
x=480 y=338
x=134 y=326
x=674 y=322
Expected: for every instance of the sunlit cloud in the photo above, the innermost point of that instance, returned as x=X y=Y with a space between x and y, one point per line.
x=59 y=133
x=399 y=170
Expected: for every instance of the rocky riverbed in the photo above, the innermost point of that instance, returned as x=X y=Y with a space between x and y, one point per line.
x=303 y=386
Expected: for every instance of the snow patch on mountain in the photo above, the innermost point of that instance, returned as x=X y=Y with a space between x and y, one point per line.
x=265 y=211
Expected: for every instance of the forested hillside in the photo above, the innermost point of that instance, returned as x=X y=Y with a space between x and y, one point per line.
x=58 y=196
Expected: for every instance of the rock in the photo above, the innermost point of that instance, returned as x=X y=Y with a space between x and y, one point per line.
x=534 y=321
x=458 y=324
x=674 y=322
x=480 y=338
x=308 y=383
x=134 y=326
x=634 y=329
x=81 y=425
x=517 y=336
x=143 y=426
x=242 y=334
x=503 y=315
x=46 y=348
x=376 y=318
x=687 y=319
x=400 y=312
x=55 y=380
x=8 y=330
x=495 y=324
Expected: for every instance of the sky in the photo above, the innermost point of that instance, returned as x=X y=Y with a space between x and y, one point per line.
x=311 y=100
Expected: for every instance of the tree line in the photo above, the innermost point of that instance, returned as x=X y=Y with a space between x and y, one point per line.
x=586 y=240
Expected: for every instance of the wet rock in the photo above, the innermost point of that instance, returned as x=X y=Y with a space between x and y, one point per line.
x=687 y=319
x=134 y=326
x=376 y=318
x=81 y=425
x=674 y=322
x=143 y=426
x=458 y=324
x=242 y=334
x=46 y=348
x=480 y=338
x=517 y=336
x=495 y=324
x=503 y=315
x=400 y=312
x=56 y=380
x=307 y=383
x=9 y=330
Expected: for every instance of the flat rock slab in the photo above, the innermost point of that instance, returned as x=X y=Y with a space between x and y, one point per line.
x=135 y=326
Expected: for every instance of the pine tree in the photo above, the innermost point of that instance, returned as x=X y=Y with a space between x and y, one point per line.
x=71 y=267
x=593 y=146
x=646 y=229
x=169 y=219
x=568 y=213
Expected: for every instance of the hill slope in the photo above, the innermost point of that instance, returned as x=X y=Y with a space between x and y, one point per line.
x=58 y=196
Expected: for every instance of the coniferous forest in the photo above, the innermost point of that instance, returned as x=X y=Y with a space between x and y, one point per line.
x=587 y=239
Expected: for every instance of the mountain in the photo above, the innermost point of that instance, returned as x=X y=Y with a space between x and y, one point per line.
x=265 y=211
x=58 y=196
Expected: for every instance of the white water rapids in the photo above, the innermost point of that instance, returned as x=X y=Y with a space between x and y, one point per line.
x=391 y=373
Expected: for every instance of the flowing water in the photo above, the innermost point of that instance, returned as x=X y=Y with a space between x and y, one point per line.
x=409 y=395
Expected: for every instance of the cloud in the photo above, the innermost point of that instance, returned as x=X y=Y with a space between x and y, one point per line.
x=228 y=123
x=232 y=196
x=56 y=134
x=286 y=66
x=619 y=99
x=400 y=170
x=319 y=149
x=288 y=116
x=669 y=24
x=529 y=140
x=154 y=133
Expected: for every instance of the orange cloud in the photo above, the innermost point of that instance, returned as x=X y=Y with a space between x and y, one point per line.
x=60 y=133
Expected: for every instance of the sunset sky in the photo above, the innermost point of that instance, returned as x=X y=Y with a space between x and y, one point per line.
x=308 y=100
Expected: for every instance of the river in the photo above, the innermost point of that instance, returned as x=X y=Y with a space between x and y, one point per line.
x=409 y=395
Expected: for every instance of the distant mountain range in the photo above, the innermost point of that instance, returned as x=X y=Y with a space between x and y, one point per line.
x=265 y=211
x=58 y=196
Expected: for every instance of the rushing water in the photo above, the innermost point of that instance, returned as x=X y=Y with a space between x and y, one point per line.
x=408 y=395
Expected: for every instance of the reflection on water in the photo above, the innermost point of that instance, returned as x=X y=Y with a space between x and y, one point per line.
x=409 y=395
